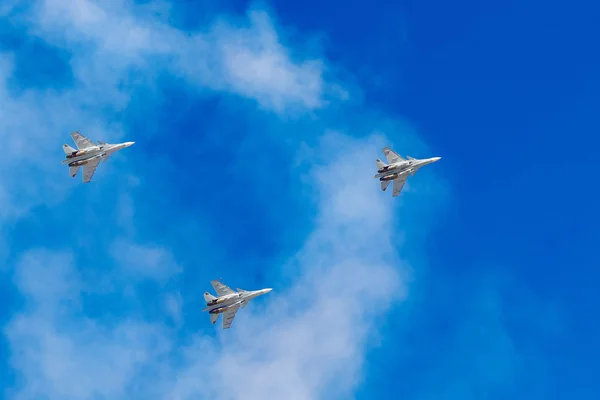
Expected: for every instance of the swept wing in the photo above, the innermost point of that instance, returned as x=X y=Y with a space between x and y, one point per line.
x=229 y=315
x=222 y=290
x=391 y=156
x=89 y=169
x=81 y=141
x=399 y=184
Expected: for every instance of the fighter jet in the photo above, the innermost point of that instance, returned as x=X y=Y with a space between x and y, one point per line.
x=88 y=154
x=398 y=169
x=228 y=302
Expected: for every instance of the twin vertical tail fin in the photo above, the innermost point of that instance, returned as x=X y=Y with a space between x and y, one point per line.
x=380 y=164
x=68 y=149
x=213 y=318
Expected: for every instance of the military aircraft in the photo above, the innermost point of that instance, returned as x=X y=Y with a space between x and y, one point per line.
x=88 y=154
x=398 y=169
x=228 y=302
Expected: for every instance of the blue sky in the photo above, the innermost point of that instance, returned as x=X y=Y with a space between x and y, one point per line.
x=256 y=129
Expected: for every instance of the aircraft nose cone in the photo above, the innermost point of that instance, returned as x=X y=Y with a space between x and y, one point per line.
x=434 y=159
x=267 y=290
x=129 y=144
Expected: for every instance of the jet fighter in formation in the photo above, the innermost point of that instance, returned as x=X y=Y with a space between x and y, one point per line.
x=397 y=169
x=228 y=302
x=88 y=154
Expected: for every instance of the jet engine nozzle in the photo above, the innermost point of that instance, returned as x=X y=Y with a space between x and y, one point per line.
x=218 y=310
x=76 y=154
x=79 y=163
x=388 y=178
x=215 y=301
x=383 y=169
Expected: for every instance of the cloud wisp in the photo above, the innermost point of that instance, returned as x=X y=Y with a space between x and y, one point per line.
x=57 y=350
x=244 y=58
x=112 y=52
x=307 y=340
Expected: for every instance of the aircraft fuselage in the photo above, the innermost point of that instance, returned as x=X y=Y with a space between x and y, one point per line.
x=221 y=304
x=222 y=309
x=90 y=153
x=224 y=300
x=83 y=152
x=403 y=167
x=83 y=161
x=393 y=171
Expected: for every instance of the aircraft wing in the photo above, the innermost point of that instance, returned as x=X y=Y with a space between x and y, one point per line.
x=81 y=141
x=229 y=315
x=89 y=169
x=399 y=184
x=106 y=155
x=222 y=290
x=391 y=155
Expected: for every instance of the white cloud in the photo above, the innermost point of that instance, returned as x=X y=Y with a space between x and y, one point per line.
x=310 y=340
x=144 y=261
x=173 y=307
x=61 y=353
x=304 y=342
x=33 y=125
x=115 y=49
x=256 y=65
x=246 y=59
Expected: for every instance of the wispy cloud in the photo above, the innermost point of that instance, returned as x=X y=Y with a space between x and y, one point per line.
x=303 y=341
x=308 y=341
x=113 y=52
x=144 y=260
x=245 y=58
x=61 y=353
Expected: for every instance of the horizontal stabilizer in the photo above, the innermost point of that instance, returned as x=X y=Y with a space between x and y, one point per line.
x=68 y=149
x=214 y=318
x=385 y=184
x=380 y=164
x=208 y=297
x=73 y=171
